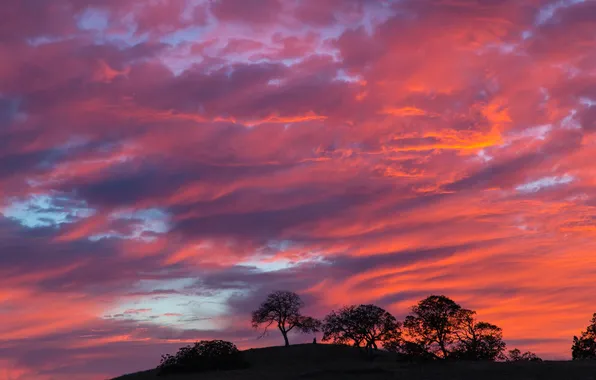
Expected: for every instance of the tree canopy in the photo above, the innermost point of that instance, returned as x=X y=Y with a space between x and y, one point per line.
x=361 y=325
x=439 y=328
x=477 y=340
x=282 y=308
x=432 y=325
x=584 y=346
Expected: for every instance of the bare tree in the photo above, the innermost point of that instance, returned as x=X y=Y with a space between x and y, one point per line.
x=282 y=308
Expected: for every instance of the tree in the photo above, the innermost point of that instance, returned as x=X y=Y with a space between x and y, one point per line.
x=516 y=355
x=433 y=324
x=283 y=309
x=342 y=327
x=364 y=324
x=584 y=346
x=477 y=340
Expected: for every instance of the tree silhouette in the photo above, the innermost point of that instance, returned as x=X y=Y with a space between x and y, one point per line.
x=283 y=308
x=433 y=324
x=364 y=324
x=584 y=346
x=477 y=340
x=516 y=355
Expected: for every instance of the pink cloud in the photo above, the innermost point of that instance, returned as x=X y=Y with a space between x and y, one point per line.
x=163 y=167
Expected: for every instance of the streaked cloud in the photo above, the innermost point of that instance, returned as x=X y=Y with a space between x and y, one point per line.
x=163 y=165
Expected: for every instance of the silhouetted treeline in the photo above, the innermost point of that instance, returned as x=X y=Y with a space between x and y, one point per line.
x=437 y=328
x=584 y=346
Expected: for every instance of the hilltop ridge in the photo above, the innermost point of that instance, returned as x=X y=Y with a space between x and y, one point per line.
x=328 y=361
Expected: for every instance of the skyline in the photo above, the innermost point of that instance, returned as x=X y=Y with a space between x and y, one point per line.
x=166 y=164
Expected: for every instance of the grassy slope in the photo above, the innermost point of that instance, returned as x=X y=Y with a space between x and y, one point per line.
x=323 y=361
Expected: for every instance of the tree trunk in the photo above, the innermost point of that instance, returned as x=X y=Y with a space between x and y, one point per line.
x=369 y=350
x=444 y=350
x=285 y=335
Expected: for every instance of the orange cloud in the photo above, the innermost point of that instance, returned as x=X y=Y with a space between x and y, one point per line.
x=434 y=147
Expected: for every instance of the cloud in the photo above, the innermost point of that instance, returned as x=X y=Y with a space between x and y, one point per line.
x=248 y=11
x=163 y=166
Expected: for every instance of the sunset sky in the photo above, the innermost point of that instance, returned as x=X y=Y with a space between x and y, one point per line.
x=165 y=164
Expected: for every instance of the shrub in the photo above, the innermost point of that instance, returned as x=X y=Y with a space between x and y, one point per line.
x=205 y=355
x=410 y=351
x=516 y=355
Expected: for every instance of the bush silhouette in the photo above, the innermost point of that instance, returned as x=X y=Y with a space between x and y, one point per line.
x=205 y=355
x=410 y=351
x=516 y=355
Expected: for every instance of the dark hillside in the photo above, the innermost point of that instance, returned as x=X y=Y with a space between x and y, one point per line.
x=324 y=361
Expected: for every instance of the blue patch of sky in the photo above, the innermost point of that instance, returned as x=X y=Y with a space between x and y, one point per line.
x=147 y=223
x=98 y=21
x=587 y=101
x=377 y=14
x=275 y=82
x=264 y=260
x=187 y=35
x=181 y=59
x=501 y=47
x=342 y=75
x=196 y=311
x=266 y=264
x=569 y=121
x=526 y=34
x=545 y=182
x=538 y=132
x=548 y=12
x=46 y=210
x=484 y=156
x=94 y=19
x=44 y=40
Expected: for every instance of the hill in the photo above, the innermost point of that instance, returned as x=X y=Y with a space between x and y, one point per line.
x=323 y=361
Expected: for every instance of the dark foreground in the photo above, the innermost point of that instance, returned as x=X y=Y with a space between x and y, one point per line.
x=346 y=363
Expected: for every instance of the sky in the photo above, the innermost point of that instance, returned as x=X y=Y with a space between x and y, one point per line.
x=166 y=164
